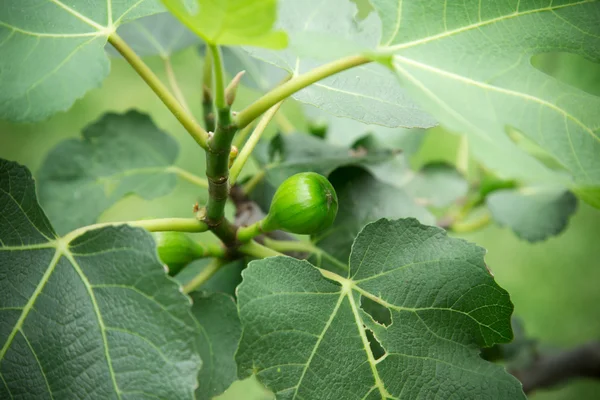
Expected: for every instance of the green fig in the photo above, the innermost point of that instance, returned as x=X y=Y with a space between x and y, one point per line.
x=176 y=250
x=305 y=203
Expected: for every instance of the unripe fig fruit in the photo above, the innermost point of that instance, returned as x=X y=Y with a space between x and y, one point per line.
x=176 y=250
x=305 y=203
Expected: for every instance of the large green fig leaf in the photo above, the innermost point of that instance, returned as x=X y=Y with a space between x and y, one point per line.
x=118 y=155
x=468 y=63
x=368 y=93
x=231 y=22
x=533 y=213
x=88 y=315
x=221 y=330
x=305 y=334
x=52 y=51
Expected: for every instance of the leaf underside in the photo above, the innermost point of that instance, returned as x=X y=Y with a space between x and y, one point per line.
x=493 y=85
x=305 y=333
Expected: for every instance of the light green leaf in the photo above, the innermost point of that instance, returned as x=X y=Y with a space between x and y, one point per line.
x=117 y=155
x=221 y=330
x=368 y=93
x=533 y=213
x=52 y=51
x=160 y=34
x=92 y=315
x=469 y=64
x=231 y=22
x=363 y=199
x=305 y=332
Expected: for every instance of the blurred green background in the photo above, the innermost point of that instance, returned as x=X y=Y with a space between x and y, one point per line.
x=553 y=284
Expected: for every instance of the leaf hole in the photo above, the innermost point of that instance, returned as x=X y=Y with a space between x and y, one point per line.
x=571 y=69
x=379 y=313
x=376 y=347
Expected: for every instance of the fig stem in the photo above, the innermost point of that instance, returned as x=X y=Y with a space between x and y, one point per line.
x=151 y=225
x=204 y=275
x=247 y=233
x=244 y=155
x=187 y=120
x=298 y=82
x=256 y=250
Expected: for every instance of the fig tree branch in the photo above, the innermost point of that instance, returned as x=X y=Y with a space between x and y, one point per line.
x=552 y=370
x=188 y=122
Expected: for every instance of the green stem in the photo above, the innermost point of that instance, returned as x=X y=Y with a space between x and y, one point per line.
x=308 y=247
x=473 y=225
x=295 y=84
x=207 y=90
x=257 y=250
x=255 y=180
x=247 y=233
x=188 y=122
x=241 y=159
x=195 y=179
x=215 y=52
x=204 y=275
x=152 y=225
x=217 y=167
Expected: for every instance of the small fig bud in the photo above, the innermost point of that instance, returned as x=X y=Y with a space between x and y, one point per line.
x=176 y=250
x=305 y=203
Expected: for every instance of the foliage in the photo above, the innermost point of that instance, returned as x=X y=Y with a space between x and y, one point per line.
x=385 y=303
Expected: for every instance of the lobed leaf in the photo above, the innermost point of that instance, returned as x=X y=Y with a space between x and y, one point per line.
x=87 y=315
x=52 y=51
x=305 y=333
x=118 y=155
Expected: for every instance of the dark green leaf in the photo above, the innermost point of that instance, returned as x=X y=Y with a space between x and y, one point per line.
x=305 y=334
x=118 y=155
x=221 y=330
x=52 y=52
x=533 y=213
x=160 y=34
x=89 y=315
